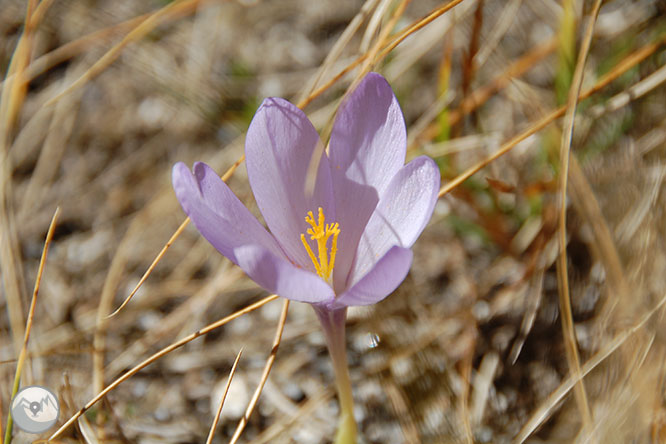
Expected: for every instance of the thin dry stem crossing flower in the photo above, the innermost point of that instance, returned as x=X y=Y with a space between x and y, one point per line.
x=158 y=355
x=232 y=372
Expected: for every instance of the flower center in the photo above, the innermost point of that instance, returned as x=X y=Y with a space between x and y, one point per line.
x=321 y=232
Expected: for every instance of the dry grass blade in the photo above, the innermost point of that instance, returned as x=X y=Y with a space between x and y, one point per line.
x=566 y=315
x=516 y=69
x=264 y=376
x=65 y=52
x=370 y=60
x=159 y=354
x=395 y=41
x=152 y=266
x=111 y=282
x=37 y=15
x=503 y=24
x=465 y=374
x=337 y=49
x=28 y=325
x=163 y=15
x=14 y=93
x=172 y=323
x=622 y=67
x=319 y=91
x=534 y=294
x=398 y=401
x=213 y=426
x=586 y=204
x=478 y=96
x=418 y=25
x=11 y=101
x=373 y=24
x=634 y=92
x=549 y=405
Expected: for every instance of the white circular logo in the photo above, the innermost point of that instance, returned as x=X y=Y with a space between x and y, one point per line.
x=35 y=409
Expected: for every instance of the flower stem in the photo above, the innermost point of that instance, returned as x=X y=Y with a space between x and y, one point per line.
x=333 y=324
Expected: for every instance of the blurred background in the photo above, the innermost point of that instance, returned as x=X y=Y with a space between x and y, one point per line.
x=101 y=98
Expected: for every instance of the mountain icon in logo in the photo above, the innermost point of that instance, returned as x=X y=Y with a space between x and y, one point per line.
x=35 y=409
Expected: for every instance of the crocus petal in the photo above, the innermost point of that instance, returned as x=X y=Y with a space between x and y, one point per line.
x=367 y=148
x=281 y=277
x=369 y=140
x=385 y=277
x=401 y=215
x=217 y=213
x=279 y=147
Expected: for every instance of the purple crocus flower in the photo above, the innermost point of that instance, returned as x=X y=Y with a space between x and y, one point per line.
x=343 y=240
x=346 y=241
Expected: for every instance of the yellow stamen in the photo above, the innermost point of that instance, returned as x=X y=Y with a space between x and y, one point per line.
x=321 y=232
x=311 y=254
